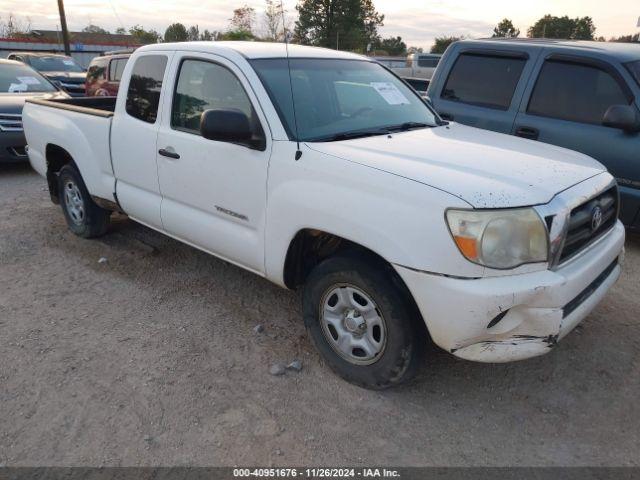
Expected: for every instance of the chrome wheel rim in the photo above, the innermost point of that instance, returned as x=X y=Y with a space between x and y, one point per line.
x=353 y=324
x=74 y=203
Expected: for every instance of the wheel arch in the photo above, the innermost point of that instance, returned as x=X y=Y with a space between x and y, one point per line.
x=309 y=247
x=56 y=158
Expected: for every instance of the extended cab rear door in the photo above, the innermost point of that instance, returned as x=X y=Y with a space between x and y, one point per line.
x=481 y=86
x=213 y=192
x=564 y=105
x=134 y=134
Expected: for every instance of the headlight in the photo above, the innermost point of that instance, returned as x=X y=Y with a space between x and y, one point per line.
x=499 y=238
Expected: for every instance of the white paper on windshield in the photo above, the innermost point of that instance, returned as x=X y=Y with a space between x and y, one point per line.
x=18 y=87
x=390 y=93
x=29 y=80
x=68 y=62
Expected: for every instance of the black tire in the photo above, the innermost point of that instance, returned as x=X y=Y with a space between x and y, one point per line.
x=92 y=221
x=405 y=335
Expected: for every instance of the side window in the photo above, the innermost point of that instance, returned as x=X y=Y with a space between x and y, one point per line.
x=575 y=92
x=145 y=85
x=205 y=85
x=121 y=64
x=113 y=66
x=116 y=68
x=488 y=81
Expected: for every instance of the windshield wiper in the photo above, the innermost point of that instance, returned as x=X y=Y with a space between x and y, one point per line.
x=403 y=127
x=351 y=135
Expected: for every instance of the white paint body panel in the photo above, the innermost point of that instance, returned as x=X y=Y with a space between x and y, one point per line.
x=85 y=137
x=486 y=169
x=386 y=193
x=134 y=149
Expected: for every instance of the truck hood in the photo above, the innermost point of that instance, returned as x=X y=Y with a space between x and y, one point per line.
x=486 y=169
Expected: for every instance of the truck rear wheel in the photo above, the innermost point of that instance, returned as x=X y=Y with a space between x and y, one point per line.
x=362 y=322
x=83 y=216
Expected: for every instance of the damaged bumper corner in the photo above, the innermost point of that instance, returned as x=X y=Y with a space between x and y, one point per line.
x=514 y=317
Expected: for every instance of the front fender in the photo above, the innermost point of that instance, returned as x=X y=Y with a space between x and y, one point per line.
x=399 y=219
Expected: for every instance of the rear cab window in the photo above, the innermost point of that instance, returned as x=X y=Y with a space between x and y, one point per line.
x=576 y=92
x=145 y=86
x=484 y=80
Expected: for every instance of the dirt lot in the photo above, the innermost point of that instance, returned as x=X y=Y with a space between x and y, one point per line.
x=150 y=358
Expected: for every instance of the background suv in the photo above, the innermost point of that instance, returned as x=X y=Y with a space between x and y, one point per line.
x=60 y=69
x=584 y=96
x=104 y=73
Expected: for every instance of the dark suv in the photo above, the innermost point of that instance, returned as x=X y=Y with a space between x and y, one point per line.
x=60 y=69
x=584 y=96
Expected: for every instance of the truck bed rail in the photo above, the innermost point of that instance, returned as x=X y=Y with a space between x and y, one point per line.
x=97 y=106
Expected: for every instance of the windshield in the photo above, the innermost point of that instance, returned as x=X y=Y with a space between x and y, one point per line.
x=55 y=64
x=21 y=78
x=336 y=98
x=634 y=68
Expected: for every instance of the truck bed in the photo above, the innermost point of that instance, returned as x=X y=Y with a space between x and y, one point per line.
x=100 y=106
x=79 y=128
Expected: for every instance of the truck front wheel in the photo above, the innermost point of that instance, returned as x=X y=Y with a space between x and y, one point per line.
x=362 y=322
x=83 y=216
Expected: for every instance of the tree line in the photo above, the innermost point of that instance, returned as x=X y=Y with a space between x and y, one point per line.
x=350 y=25
x=549 y=26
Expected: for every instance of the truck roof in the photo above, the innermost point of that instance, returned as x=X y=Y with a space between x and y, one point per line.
x=253 y=50
x=624 y=52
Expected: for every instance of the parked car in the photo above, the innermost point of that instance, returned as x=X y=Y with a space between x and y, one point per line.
x=580 y=95
x=419 y=65
x=104 y=74
x=60 y=69
x=17 y=83
x=325 y=171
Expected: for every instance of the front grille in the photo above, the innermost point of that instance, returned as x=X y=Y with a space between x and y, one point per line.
x=10 y=122
x=570 y=307
x=583 y=228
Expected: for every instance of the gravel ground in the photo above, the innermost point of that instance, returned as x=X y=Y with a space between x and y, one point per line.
x=151 y=358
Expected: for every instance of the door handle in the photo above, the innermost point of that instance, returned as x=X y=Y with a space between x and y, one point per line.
x=166 y=153
x=446 y=116
x=528 y=132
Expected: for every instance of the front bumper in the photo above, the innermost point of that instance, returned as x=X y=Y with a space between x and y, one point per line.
x=541 y=307
x=12 y=147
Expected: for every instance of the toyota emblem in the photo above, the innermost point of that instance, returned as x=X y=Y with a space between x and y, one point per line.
x=596 y=218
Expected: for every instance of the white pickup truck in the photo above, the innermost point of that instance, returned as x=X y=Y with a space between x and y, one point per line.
x=325 y=171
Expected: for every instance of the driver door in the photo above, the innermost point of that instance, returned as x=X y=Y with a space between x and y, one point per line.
x=213 y=192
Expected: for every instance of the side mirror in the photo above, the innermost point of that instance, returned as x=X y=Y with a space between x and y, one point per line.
x=225 y=126
x=624 y=117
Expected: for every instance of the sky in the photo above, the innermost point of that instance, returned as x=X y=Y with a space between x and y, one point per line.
x=418 y=22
